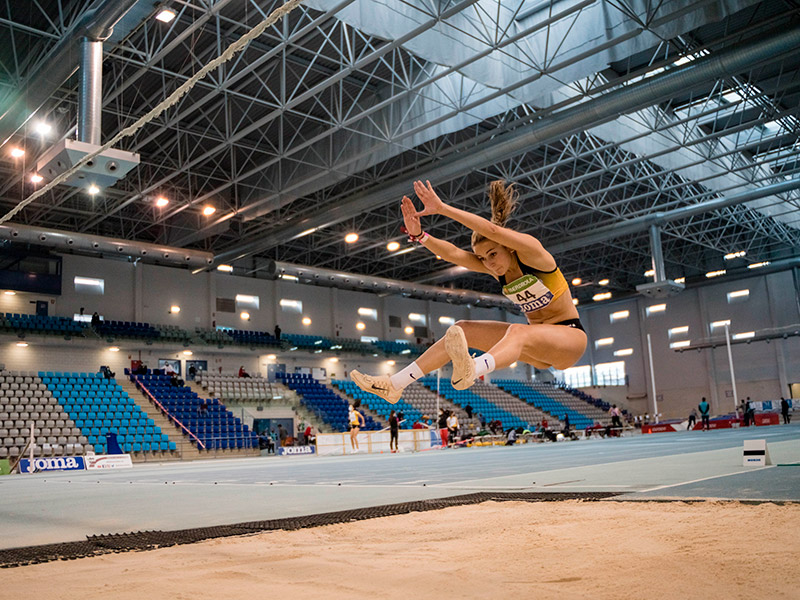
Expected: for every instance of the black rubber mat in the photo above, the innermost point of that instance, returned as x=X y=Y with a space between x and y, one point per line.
x=149 y=540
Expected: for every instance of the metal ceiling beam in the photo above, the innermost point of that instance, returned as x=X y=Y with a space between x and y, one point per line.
x=591 y=113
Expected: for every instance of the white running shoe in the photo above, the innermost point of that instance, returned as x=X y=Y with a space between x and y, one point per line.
x=455 y=343
x=380 y=385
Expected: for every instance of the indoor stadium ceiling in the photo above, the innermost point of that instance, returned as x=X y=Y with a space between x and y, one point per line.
x=594 y=108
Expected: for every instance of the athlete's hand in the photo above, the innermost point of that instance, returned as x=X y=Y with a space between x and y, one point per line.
x=410 y=218
x=432 y=203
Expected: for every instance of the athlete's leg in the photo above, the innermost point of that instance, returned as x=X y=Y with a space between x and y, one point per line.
x=481 y=335
x=541 y=345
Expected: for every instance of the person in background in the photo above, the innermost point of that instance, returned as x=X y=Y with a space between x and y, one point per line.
x=308 y=434
x=511 y=438
x=692 y=419
x=616 y=416
x=95 y=320
x=468 y=410
x=704 y=408
x=785 y=411
x=282 y=434
x=566 y=424
x=242 y=372
x=192 y=372
x=393 y=431
x=452 y=427
x=277 y=332
x=443 y=427
x=356 y=420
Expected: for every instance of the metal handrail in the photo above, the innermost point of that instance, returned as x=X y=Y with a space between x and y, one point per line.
x=174 y=419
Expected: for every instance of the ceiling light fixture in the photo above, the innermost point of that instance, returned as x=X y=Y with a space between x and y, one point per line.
x=36 y=178
x=209 y=210
x=93 y=189
x=351 y=238
x=165 y=15
x=393 y=246
x=161 y=202
x=17 y=153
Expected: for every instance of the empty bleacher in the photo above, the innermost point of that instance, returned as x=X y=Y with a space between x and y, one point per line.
x=206 y=422
x=26 y=400
x=544 y=402
x=241 y=390
x=127 y=329
x=323 y=402
x=22 y=323
x=99 y=406
x=378 y=405
x=489 y=410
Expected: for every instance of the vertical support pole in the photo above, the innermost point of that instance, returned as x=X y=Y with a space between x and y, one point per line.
x=652 y=378
x=90 y=105
x=658 y=256
x=32 y=444
x=730 y=363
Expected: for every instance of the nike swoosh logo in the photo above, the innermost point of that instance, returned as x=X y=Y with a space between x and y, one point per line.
x=456 y=381
x=375 y=387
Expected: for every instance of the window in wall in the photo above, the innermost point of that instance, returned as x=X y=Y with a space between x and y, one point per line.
x=370 y=313
x=417 y=318
x=678 y=331
x=83 y=318
x=447 y=321
x=744 y=336
x=623 y=352
x=245 y=301
x=620 y=315
x=90 y=285
x=655 y=309
x=680 y=344
x=287 y=305
x=611 y=373
x=738 y=296
x=577 y=377
x=720 y=324
x=603 y=342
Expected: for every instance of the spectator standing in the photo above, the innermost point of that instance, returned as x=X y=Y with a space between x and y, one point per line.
x=356 y=420
x=452 y=427
x=277 y=332
x=616 y=421
x=785 y=411
x=692 y=419
x=704 y=409
x=192 y=372
x=393 y=431
x=282 y=434
x=443 y=426
x=468 y=410
x=566 y=424
x=308 y=434
x=95 y=320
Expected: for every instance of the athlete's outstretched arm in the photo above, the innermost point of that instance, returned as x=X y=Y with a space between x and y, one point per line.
x=449 y=252
x=527 y=247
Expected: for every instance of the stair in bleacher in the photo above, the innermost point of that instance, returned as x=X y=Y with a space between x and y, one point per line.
x=205 y=421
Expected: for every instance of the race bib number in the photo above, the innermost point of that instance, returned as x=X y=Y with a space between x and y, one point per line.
x=528 y=292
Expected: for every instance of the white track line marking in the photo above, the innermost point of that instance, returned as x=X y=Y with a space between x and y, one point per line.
x=663 y=487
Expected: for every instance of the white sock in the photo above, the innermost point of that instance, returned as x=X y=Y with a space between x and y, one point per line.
x=483 y=364
x=407 y=376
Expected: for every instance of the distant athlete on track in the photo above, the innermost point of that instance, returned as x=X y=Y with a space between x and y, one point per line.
x=529 y=278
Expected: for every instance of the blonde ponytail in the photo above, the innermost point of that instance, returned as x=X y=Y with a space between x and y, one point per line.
x=503 y=199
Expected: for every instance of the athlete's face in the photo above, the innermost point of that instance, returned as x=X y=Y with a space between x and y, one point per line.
x=495 y=257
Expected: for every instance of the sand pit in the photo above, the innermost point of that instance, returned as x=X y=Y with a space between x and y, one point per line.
x=597 y=550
